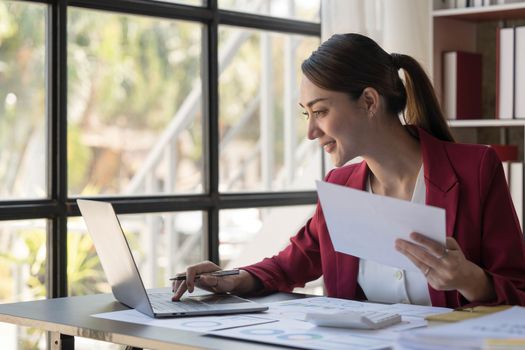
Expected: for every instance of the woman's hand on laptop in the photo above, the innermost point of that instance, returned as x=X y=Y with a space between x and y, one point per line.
x=242 y=283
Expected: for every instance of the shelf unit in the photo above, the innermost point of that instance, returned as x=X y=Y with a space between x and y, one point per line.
x=486 y=123
x=484 y=13
x=473 y=29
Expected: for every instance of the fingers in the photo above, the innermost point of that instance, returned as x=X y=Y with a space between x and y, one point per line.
x=440 y=264
x=425 y=269
x=210 y=283
x=192 y=271
x=421 y=253
x=176 y=285
x=190 y=278
x=180 y=287
x=445 y=267
x=218 y=284
x=425 y=253
x=179 y=291
x=432 y=246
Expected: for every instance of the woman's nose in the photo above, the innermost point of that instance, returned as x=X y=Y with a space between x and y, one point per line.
x=313 y=130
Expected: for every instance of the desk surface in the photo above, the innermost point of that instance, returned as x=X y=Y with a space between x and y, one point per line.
x=71 y=316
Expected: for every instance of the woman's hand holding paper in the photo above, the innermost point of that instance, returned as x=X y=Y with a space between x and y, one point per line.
x=446 y=268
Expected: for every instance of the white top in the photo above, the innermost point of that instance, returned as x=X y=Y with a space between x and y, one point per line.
x=385 y=284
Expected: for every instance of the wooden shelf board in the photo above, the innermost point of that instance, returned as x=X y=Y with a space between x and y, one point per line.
x=485 y=13
x=473 y=123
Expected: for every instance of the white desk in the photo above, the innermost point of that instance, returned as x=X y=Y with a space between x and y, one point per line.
x=69 y=317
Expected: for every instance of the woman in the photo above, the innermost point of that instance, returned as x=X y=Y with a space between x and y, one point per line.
x=352 y=96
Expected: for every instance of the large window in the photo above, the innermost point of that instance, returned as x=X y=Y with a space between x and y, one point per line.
x=182 y=113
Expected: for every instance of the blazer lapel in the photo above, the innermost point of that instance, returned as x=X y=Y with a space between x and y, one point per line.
x=442 y=190
x=358 y=179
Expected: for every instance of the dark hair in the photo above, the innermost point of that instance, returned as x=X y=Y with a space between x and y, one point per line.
x=351 y=62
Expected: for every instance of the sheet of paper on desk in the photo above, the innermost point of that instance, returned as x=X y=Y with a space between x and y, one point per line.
x=196 y=324
x=297 y=309
x=470 y=334
x=290 y=330
x=416 y=310
x=366 y=225
x=308 y=336
x=413 y=315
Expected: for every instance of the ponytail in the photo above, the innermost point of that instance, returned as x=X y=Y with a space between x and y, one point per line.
x=422 y=106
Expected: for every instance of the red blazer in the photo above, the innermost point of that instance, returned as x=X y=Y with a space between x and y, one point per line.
x=467 y=181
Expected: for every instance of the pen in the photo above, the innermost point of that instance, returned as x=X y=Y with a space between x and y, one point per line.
x=219 y=273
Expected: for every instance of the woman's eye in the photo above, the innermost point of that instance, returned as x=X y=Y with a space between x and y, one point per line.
x=317 y=114
x=314 y=114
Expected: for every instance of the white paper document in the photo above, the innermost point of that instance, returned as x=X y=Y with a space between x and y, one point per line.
x=305 y=335
x=412 y=310
x=297 y=308
x=469 y=334
x=292 y=330
x=412 y=315
x=366 y=225
x=195 y=324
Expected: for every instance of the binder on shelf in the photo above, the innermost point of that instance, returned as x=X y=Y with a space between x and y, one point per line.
x=519 y=81
x=516 y=188
x=506 y=153
x=462 y=85
x=505 y=73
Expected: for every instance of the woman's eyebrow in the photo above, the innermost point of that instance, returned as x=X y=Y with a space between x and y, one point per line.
x=314 y=101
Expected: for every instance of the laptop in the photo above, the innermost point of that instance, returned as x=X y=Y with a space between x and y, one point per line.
x=126 y=284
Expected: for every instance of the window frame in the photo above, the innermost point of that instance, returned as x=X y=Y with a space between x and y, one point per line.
x=58 y=207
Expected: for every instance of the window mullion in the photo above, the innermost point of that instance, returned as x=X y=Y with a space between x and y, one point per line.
x=56 y=56
x=211 y=80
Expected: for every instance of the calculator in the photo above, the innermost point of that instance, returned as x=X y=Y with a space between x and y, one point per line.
x=354 y=319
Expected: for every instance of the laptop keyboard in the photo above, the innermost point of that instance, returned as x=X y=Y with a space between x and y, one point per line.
x=162 y=302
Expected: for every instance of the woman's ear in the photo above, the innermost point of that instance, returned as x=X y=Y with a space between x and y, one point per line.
x=370 y=99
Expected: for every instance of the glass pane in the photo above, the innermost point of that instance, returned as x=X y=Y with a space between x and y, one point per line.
x=247 y=236
x=162 y=245
x=263 y=144
x=22 y=100
x=134 y=105
x=23 y=276
x=305 y=10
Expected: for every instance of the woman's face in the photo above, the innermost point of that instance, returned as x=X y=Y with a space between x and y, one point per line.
x=337 y=122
